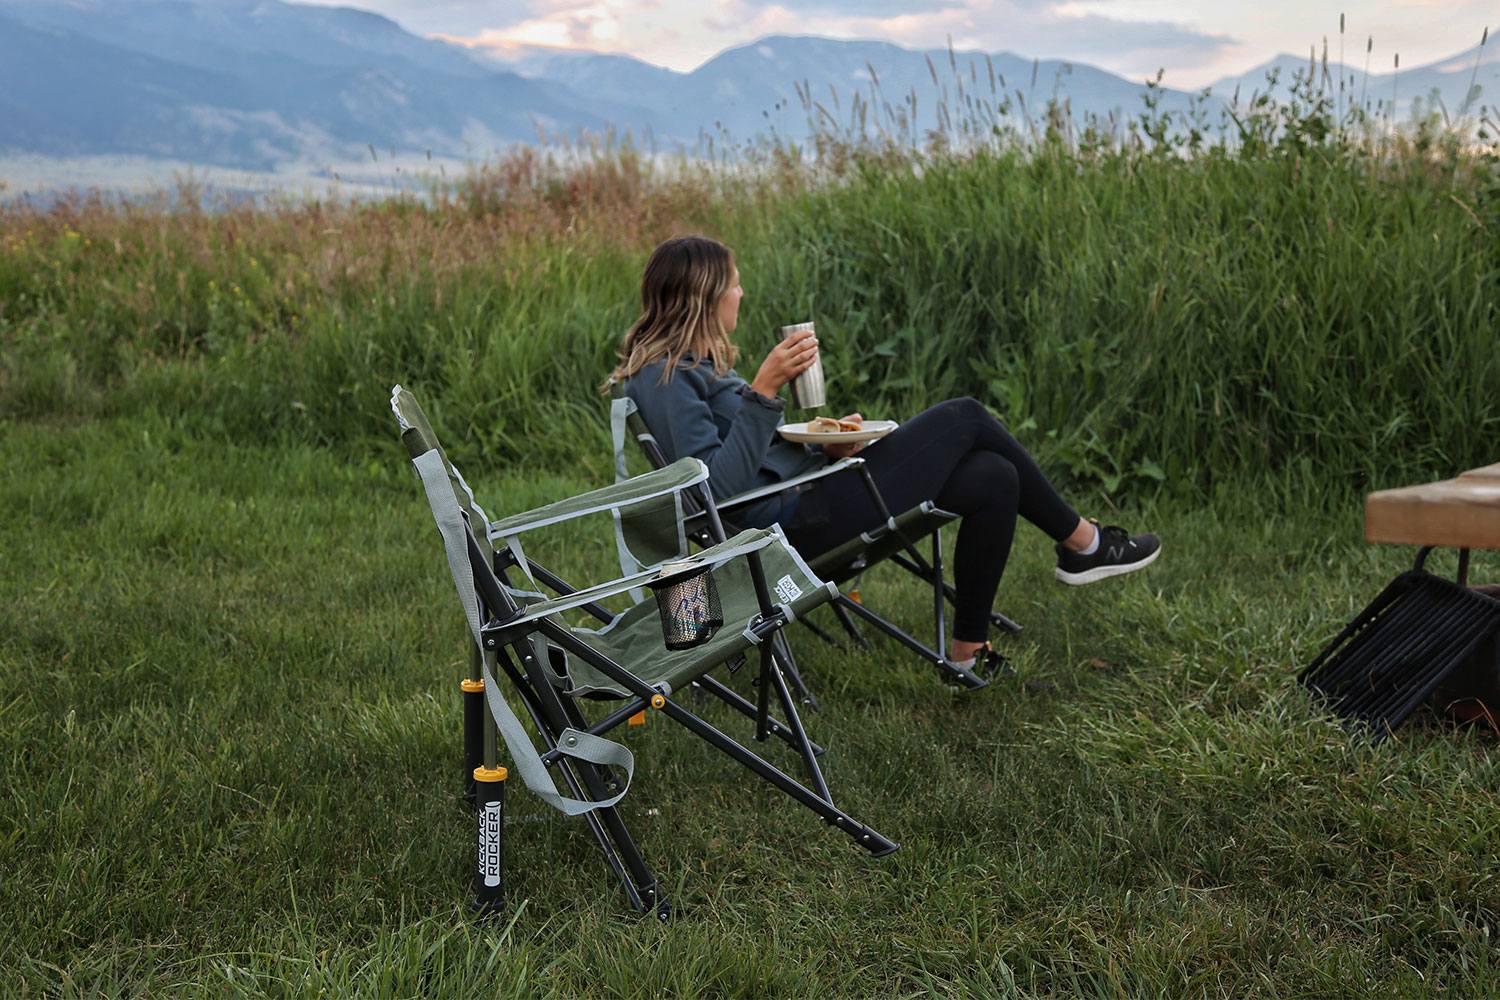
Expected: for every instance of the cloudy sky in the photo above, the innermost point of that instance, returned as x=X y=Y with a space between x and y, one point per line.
x=1195 y=42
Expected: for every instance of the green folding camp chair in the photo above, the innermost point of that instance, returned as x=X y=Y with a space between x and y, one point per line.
x=640 y=660
x=895 y=540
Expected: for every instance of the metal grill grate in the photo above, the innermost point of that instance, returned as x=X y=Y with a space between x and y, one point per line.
x=1388 y=660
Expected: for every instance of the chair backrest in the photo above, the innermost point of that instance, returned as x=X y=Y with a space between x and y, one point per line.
x=624 y=415
x=626 y=421
x=418 y=436
x=649 y=513
x=465 y=530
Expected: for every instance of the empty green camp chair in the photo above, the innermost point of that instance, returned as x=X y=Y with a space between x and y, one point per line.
x=895 y=541
x=526 y=651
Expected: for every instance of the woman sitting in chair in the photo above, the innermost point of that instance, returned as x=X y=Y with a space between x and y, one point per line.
x=677 y=365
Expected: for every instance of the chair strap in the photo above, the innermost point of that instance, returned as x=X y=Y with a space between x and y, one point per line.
x=620 y=410
x=583 y=746
x=518 y=554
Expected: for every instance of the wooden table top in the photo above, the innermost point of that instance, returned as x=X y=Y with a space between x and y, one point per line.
x=1462 y=513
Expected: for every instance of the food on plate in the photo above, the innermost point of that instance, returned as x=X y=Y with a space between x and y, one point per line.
x=827 y=425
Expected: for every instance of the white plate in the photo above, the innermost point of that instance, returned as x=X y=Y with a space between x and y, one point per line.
x=868 y=431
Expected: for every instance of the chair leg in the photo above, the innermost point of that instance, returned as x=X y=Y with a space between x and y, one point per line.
x=966 y=679
x=474 y=719
x=996 y=618
x=848 y=623
x=551 y=713
x=1003 y=623
x=641 y=888
x=799 y=735
x=746 y=708
x=789 y=668
x=866 y=837
x=771 y=678
x=939 y=622
x=489 y=869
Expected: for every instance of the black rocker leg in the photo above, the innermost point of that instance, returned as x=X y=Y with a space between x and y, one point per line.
x=848 y=623
x=966 y=679
x=820 y=633
x=746 y=708
x=789 y=668
x=862 y=835
x=921 y=570
x=591 y=782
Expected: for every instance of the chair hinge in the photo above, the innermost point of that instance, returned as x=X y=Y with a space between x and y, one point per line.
x=763 y=625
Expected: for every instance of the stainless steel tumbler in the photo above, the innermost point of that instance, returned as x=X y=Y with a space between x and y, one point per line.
x=807 y=389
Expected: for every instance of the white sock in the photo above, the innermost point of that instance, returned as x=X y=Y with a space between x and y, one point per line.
x=971 y=661
x=1092 y=546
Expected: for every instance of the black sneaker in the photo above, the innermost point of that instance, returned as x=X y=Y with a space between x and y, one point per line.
x=1117 y=553
x=976 y=673
x=964 y=676
x=989 y=665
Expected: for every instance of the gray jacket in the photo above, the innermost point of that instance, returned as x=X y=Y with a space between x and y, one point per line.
x=731 y=428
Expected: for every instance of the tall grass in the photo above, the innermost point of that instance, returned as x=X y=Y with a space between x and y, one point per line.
x=1150 y=307
x=1195 y=321
x=288 y=320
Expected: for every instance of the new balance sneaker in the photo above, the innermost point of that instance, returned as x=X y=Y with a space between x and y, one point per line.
x=1117 y=553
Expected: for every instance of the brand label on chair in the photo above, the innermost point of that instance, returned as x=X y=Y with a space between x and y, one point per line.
x=490 y=819
x=787 y=590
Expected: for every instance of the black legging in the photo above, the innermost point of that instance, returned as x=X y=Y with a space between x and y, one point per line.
x=959 y=456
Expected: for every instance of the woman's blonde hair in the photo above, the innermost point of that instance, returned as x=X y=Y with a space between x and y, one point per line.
x=680 y=292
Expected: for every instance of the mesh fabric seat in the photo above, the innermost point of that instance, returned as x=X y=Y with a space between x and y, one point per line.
x=577 y=685
x=895 y=541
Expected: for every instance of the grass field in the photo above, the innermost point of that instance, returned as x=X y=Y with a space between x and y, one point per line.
x=229 y=654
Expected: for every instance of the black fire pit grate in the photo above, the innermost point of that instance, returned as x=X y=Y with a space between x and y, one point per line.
x=1388 y=660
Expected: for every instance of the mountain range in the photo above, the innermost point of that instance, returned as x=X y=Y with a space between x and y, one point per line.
x=259 y=84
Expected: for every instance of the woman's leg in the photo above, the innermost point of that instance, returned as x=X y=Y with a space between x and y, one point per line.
x=984 y=489
x=1038 y=500
x=959 y=456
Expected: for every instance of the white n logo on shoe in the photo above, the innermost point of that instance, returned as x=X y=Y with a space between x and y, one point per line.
x=1117 y=554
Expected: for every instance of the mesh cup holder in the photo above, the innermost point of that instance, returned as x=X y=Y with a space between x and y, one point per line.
x=687 y=605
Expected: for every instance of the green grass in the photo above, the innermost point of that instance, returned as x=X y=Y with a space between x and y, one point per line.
x=230 y=726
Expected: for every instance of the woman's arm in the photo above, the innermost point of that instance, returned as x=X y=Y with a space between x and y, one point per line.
x=680 y=415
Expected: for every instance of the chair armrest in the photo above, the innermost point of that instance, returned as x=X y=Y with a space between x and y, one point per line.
x=747 y=541
x=680 y=475
x=749 y=496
